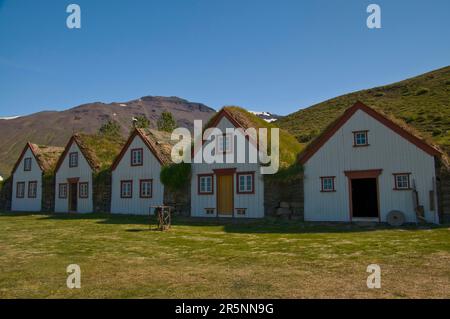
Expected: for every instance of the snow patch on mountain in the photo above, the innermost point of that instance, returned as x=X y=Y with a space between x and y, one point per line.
x=266 y=116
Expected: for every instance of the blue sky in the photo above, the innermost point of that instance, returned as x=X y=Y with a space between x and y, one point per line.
x=275 y=56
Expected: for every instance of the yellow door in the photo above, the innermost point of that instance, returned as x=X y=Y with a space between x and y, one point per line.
x=225 y=194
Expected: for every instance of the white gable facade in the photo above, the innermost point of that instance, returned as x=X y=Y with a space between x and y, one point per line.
x=27 y=184
x=216 y=189
x=345 y=182
x=136 y=188
x=73 y=183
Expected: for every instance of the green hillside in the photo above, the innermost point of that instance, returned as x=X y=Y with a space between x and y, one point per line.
x=423 y=102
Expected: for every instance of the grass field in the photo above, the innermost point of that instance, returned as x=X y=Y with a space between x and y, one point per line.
x=121 y=258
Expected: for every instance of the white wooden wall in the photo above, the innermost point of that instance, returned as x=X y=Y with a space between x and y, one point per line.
x=27 y=204
x=253 y=202
x=84 y=173
x=387 y=150
x=150 y=169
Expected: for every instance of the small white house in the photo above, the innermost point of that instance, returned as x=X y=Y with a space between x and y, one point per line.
x=363 y=166
x=234 y=190
x=136 y=185
x=27 y=176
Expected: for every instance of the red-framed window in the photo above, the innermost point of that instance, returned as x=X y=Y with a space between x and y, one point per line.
x=73 y=159
x=402 y=181
x=27 y=164
x=146 y=188
x=205 y=184
x=245 y=182
x=137 y=157
x=327 y=184
x=126 y=189
x=32 y=189
x=360 y=138
x=20 y=190
x=225 y=143
x=62 y=190
x=83 y=190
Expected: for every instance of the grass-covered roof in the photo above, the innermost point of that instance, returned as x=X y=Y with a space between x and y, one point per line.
x=47 y=156
x=289 y=146
x=99 y=150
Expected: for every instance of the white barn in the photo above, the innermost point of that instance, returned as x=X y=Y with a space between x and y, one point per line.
x=27 y=176
x=363 y=166
x=234 y=190
x=136 y=185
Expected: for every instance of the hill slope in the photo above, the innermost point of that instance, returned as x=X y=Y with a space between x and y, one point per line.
x=55 y=128
x=423 y=102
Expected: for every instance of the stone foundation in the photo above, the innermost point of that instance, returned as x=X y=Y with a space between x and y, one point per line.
x=284 y=198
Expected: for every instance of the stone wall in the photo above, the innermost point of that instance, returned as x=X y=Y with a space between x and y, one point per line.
x=102 y=192
x=180 y=199
x=5 y=194
x=444 y=195
x=284 y=197
x=48 y=193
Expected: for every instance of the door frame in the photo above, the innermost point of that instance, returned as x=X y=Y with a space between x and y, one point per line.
x=362 y=174
x=71 y=182
x=225 y=172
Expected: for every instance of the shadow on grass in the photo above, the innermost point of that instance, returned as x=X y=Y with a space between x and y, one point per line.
x=267 y=225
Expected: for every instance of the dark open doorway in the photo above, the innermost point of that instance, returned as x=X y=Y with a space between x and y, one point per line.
x=73 y=197
x=364 y=197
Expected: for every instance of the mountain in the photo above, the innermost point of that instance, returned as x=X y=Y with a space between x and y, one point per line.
x=267 y=116
x=423 y=102
x=55 y=128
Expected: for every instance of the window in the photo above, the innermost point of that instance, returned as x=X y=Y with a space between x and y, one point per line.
x=205 y=184
x=401 y=181
x=225 y=143
x=245 y=183
x=137 y=157
x=210 y=211
x=27 y=164
x=146 y=188
x=20 y=190
x=327 y=184
x=62 y=190
x=241 y=211
x=126 y=189
x=360 y=138
x=84 y=190
x=73 y=159
x=32 y=189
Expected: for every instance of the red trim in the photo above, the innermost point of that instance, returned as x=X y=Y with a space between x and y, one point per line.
x=321 y=184
x=224 y=171
x=141 y=181
x=29 y=184
x=131 y=189
x=336 y=125
x=25 y=166
x=66 y=150
x=395 y=182
x=140 y=133
x=216 y=119
x=87 y=190
x=59 y=190
x=141 y=150
x=369 y=173
x=33 y=151
x=212 y=184
x=224 y=136
x=73 y=180
x=70 y=159
x=17 y=188
x=253 y=183
x=354 y=138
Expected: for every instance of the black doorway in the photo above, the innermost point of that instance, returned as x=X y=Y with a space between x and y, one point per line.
x=73 y=197
x=364 y=197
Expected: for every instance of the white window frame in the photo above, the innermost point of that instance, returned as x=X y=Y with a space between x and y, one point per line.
x=244 y=186
x=124 y=192
x=405 y=182
x=73 y=159
x=203 y=184
x=137 y=160
x=146 y=191
x=27 y=164
x=225 y=143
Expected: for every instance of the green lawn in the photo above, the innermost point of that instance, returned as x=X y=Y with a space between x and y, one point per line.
x=121 y=258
